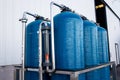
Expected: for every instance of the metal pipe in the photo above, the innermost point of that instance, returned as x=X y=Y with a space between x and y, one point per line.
x=52 y=37
x=73 y=73
x=28 y=13
x=24 y=21
x=114 y=71
x=40 y=49
x=58 y=5
x=52 y=33
x=34 y=15
x=61 y=6
x=87 y=69
x=46 y=48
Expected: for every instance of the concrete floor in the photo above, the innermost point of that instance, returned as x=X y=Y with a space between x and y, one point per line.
x=7 y=73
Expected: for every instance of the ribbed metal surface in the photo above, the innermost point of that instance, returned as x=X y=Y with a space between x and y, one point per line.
x=69 y=52
x=103 y=53
x=90 y=49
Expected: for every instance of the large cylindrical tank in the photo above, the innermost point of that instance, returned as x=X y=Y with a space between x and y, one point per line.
x=103 y=53
x=91 y=48
x=32 y=49
x=32 y=44
x=69 y=51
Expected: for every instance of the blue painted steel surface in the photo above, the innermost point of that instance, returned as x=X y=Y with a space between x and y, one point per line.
x=103 y=53
x=69 y=52
x=90 y=49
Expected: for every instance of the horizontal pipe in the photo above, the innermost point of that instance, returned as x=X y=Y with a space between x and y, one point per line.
x=84 y=70
x=34 y=15
x=58 y=5
x=77 y=72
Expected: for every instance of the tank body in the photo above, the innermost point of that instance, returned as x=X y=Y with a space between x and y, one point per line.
x=32 y=50
x=91 y=49
x=32 y=44
x=103 y=53
x=69 y=51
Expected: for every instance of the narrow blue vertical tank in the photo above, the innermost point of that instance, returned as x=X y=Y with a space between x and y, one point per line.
x=32 y=49
x=69 y=51
x=91 y=48
x=103 y=53
x=32 y=44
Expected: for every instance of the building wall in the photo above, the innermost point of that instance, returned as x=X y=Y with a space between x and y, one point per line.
x=115 y=5
x=10 y=28
x=114 y=33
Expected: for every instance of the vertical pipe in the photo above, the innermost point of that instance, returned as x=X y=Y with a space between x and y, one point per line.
x=23 y=48
x=52 y=32
x=24 y=21
x=20 y=74
x=114 y=71
x=40 y=52
x=46 y=47
x=52 y=36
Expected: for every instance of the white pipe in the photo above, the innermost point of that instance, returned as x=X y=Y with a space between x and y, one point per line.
x=40 y=52
x=52 y=33
x=24 y=21
x=52 y=37
x=40 y=49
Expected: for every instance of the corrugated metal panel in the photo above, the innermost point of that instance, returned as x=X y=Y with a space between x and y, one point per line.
x=114 y=33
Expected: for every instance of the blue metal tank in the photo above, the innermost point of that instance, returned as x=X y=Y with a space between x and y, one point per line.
x=91 y=48
x=32 y=75
x=69 y=51
x=32 y=54
x=32 y=49
x=103 y=53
